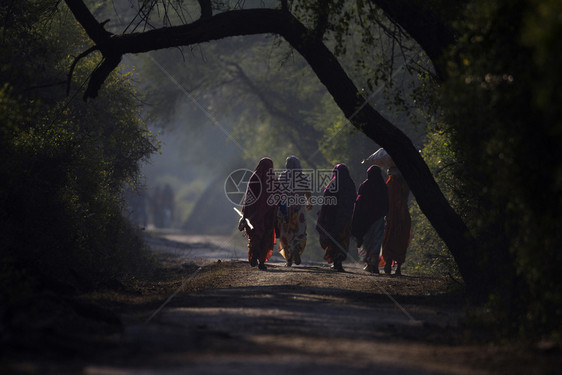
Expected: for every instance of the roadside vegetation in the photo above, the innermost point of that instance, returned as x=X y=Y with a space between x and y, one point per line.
x=63 y=166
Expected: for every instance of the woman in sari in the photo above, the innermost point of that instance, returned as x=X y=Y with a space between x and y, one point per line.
x=398 y=224
x=260 y=213
x=368 y=222
x=334 y=218
x=294 y=187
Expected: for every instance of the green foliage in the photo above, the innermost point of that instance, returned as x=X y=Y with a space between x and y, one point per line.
x=502 y=102
x=427 y=252
x=63 y=162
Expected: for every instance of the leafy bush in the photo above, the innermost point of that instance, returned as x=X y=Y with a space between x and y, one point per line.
x=502 y=102
x=427 y=252
x=63 y=163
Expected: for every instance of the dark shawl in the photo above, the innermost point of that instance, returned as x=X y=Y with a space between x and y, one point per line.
x=334 y=218
x=371 y=203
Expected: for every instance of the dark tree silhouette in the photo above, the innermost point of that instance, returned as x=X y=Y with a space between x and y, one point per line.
x=421 y=24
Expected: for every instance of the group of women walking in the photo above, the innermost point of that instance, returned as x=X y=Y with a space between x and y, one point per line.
x=274 y=208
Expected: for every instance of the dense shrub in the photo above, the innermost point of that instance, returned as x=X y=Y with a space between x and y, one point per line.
x=502 y=106
x=63 y=162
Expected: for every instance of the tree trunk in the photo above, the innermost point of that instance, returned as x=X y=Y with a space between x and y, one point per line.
x=407 y=158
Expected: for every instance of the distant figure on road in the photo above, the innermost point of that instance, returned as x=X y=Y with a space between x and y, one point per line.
x=260 y=211
x=156 y=207
x=334 y=218
x=398 y=224
x=291 y=216
x=368 y=222
x=167 y=206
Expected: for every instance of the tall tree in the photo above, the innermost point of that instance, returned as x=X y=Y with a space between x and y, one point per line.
x=423 y=25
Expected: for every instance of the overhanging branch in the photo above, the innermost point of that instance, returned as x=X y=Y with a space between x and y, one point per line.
x=100 y=74
x=206 y=8
x=327 y=68
x=76 y=60
x=93 y=28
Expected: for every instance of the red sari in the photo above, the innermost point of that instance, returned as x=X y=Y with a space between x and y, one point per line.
x=260 y=212
x=398 y=222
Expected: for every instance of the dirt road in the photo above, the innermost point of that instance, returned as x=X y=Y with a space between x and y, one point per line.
x=230 y=318
x=217 y=315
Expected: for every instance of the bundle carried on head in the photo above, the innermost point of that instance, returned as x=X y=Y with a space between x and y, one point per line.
x=380 y=158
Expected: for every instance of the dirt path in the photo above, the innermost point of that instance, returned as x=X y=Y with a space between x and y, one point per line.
x=230 y=318
x=224 y=317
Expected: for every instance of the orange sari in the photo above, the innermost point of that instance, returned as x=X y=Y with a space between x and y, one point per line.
x=398 y=222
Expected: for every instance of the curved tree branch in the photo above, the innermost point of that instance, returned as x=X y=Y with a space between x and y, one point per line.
x=206 y=8
x=76 y=60
x=102 y=40
x=93 y=28
x=327 y=68
x=100 y=74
